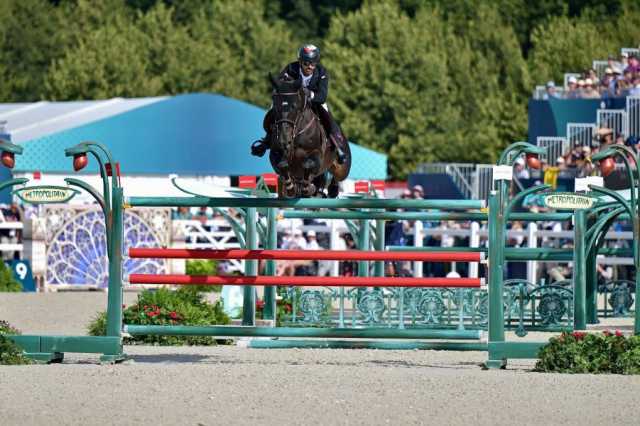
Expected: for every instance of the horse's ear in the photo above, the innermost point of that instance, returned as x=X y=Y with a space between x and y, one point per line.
x=273 y=81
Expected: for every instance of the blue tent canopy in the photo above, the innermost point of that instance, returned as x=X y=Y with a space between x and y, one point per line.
x=194 y=134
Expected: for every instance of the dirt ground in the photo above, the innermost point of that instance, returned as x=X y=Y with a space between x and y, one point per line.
x=235 y=385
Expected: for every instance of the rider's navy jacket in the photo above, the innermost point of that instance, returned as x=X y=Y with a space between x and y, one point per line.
x=319 y=83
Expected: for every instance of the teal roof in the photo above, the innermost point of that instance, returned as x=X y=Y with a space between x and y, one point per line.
x=195 y=134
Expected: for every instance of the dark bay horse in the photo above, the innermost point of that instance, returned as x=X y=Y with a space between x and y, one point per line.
x=302 y=141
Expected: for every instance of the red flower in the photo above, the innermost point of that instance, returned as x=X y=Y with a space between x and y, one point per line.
x=579 y=335
x=151 y=314
x=607 y=333
x=287 y=308
x=619 y=333
x=259 y=304
x=173 y=315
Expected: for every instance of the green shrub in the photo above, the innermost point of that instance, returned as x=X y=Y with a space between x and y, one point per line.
x=185 y=306
x=7 y=281
x=10 y=353
x=580 y=352
x=204 y=267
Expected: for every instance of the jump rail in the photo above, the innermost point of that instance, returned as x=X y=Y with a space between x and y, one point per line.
x=304 y=281
x=163 y=253
x=305 y=203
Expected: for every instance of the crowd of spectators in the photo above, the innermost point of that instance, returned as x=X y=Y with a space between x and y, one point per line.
x=621 y=78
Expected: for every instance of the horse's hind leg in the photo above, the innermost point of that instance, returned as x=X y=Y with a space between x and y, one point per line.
x=320 y=182
x=334 y=188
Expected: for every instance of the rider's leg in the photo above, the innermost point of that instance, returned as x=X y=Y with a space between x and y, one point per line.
x=259 y=147
x=336 y=136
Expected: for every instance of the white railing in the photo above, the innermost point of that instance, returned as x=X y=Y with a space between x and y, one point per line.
x=600 y=67
x=615 y=119
x=212 y=234
x=555 y=147
x=630 y=51
x=473 y=180
x=580 y=134
x=633 y=116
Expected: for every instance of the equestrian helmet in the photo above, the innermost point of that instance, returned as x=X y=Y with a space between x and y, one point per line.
x=309 y=53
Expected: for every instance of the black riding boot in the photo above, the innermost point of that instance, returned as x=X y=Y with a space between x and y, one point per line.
x=340 y=144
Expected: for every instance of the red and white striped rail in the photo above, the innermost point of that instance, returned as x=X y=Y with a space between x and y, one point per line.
x=165 y=253
x=304 y=281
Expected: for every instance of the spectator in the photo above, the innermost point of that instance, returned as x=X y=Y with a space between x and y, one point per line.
x=612 y=62
x=551 y=92
x=604 y=136
x=298 y=239
x=183 y=213
x=417 y=192
x=580 y=90
x=624 y=60
x=634 y=65
x=635 y=89
x=11 y=236
x=519 y=169
x=572 y=92
x=590 y=91
x=607 y=89
x=312 y=242
x=625 y=83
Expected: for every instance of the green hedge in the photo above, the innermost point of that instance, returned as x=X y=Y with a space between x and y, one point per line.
x=581 y=352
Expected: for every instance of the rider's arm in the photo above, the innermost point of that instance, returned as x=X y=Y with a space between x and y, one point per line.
x=320 y=95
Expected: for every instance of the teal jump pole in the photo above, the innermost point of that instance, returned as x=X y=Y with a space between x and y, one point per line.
x=269 y=312
x=250 y=268
x=305 y=203
x=579 y=272
x=496 y=262
x=369 y=332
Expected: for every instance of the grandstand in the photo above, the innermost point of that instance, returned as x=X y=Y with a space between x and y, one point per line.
x=563 y=125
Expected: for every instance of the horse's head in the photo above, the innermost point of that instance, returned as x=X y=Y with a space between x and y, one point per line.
x=289 y=102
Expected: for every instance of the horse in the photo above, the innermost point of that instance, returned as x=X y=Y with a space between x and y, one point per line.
x=301 y=140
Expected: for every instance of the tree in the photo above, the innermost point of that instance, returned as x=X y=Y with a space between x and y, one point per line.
x=111 y=61
x=33 y=32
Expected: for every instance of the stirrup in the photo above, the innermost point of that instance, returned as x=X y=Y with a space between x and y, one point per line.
x=259 y=147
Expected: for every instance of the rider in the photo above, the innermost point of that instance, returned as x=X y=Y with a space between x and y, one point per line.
x=315 y=83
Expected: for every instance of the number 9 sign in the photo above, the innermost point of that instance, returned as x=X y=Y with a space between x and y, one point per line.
x=22 y=272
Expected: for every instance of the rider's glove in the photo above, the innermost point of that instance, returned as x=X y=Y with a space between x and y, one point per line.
x=308 y=93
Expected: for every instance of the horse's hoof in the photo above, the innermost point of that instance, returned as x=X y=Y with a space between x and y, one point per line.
x=310 y=190
x=333 y=191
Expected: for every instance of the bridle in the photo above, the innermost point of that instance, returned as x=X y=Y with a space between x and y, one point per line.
x=294 y=123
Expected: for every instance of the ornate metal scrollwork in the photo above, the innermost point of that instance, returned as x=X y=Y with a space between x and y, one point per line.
x=552 y=308
x=371 y=305
x=432 y=306
x=312 y=305
x=620 y=300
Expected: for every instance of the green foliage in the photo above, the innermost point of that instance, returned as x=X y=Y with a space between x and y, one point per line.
x=10 y=353
x=580 y=352
x=8 y=283
x=185 y=306
x=204 y=267
x=420 y=80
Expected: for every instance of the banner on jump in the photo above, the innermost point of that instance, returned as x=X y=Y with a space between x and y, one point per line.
x=45 y=194
x=568 y=201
